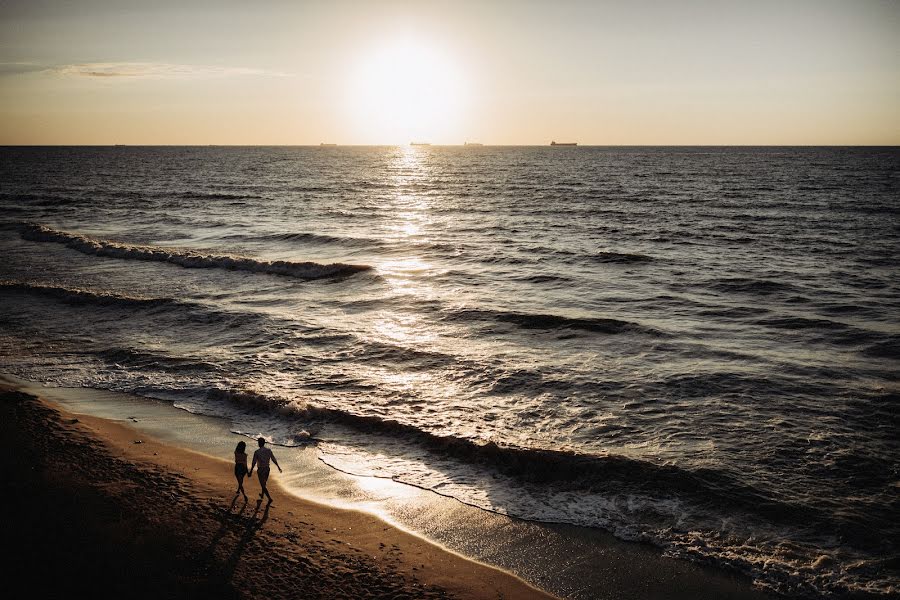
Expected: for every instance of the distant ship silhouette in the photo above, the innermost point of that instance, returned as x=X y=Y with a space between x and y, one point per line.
x=419 y=144
x=473 y=144
x=563 y=143
x=324 y=144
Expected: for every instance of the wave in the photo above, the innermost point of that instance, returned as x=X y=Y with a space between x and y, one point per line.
x=145 y=359
x=535 y=465
x=803 y=323
x=214 y=196
x=621 y=258
x=318 y=238
x=844 y=309
x=550 y=321
x=372 y=351
x=183 y=309
x=748 y=285
x=82 y=296
x=191 y=259
x=889 y=348
x=544 y=279
x=833 y=332
x=46 y=199
x=703 y=384
x=733 y=312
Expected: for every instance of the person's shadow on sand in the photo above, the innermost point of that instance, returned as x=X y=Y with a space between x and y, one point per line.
x=236 y=522
x=228 y=516
x=250 y=530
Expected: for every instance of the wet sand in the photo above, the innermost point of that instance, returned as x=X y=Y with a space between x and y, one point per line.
x=156 y=519
x=96 y=508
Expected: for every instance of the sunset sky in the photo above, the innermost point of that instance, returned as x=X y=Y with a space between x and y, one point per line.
x=641 y=72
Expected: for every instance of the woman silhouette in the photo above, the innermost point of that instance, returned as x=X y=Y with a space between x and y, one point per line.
x=240 y=467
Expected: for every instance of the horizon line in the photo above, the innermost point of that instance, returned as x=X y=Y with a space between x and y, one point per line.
x=479 y=145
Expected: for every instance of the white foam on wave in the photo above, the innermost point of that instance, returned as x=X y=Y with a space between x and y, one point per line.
x=185 y=257
x=776 y=558
x=782 y=558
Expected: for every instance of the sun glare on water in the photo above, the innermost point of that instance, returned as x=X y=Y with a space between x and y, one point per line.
x=406 y=91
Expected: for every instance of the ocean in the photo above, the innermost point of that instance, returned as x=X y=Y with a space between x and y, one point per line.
x=691 y=347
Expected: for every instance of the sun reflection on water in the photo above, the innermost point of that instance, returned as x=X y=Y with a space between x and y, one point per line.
x=403 y=328
x=409 y=224
x=407 y=275
x=410 y=275
x=381 y=488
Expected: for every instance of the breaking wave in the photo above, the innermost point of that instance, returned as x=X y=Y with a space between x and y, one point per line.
x=191 y=259
x=705 y=515
x=527 y=464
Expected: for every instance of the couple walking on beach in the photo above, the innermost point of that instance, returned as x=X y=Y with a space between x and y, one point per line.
x=261 y=459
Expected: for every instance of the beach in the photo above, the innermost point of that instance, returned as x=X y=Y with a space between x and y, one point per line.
x=103 y=511
x=99 y=500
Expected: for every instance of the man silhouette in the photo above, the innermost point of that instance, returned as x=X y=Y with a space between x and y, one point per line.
x=261 y=457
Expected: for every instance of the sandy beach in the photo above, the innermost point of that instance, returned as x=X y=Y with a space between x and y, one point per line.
x=102 y=510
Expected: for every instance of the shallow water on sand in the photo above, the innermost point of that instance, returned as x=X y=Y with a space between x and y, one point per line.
x=695 y=347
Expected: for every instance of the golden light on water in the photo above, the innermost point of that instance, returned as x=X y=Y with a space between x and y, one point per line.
x=409 y=224
x=405 y=329
x=411 y=217
x=379 y=488
x=405 y=276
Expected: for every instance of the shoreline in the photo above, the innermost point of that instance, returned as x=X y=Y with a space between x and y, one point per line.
x=546 y=558
x=177 y=530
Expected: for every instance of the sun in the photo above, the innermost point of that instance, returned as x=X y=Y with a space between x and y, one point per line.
x=406 y=91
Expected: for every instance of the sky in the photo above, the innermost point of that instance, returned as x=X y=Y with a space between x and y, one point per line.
x=795 y=72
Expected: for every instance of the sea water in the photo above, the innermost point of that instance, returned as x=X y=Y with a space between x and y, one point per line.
x=692 y=347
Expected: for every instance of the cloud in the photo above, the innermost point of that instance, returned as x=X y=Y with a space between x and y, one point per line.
x=20 y=68
x=152 y=70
